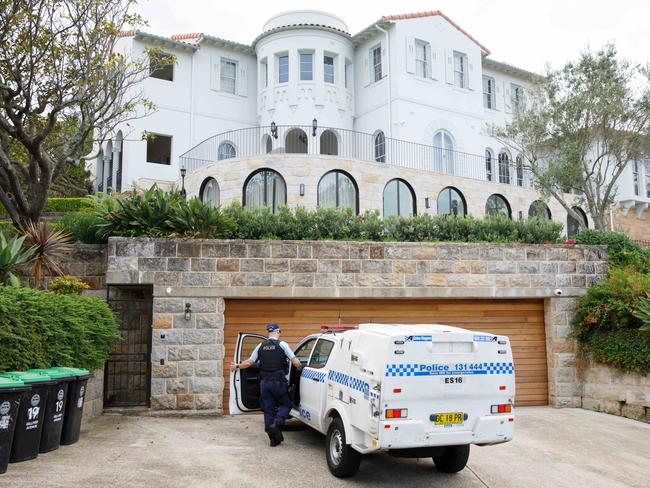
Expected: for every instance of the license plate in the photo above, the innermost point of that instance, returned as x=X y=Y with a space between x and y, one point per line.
x=448 y=418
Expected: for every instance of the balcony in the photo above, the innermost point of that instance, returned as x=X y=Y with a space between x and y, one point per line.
x=327 y=141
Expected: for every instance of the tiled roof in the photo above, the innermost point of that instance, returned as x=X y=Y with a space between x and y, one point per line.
x=324 y=26
x=435 y=13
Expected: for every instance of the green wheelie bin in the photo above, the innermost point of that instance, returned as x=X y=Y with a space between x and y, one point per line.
x=54 y=408
x=11 y=394
x=74 y=405
x=29 y=425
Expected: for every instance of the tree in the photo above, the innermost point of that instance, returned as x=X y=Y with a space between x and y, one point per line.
x=580 y=126
x=63 y=83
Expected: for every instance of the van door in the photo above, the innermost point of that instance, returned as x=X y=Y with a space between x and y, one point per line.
x=245 y=383
x=302 y=352
x=313 y=386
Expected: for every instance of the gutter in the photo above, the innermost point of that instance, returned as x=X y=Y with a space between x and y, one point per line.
x=390 y=81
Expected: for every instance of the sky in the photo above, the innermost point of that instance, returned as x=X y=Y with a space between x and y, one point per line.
x=530 y=35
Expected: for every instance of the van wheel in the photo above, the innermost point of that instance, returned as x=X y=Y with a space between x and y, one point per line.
x=342 y=460
x=453 y=460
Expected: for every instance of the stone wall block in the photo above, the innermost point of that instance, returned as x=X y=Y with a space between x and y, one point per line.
x=548 y=268
x=207 y=368
x=129 y=263
x=305 y=280
x=585 y=268
x=206 y=402
x=502 y=267
x=535 y=254
x=172 y=337
x=166 y=278
x=478 y=267
x=182 y=353
x=462 y=267
x=255 y=265
x=168 y=305
x=238 y=250
x=163 y=402
x=424 y=253
x=215 y=250
x=237 y=279
x=209 y=321
x=376 y=252
x=514 y=254
x=470 y=253
x=563 y=280
x=178 y=264
x=185 y=369
x=162 y=321
x=491 y=253
x=351 y=266
x=331 y=250
x=398 y=252
x=450 y=253
x=376 y=266
x=346 y=280
x=542 y=281
x=440 y=266
x=258 y=250
x=199 y=336
x=578 y=281
x=203 y=264
x=282 y=279
x=169 y=370
x=227 y=264
x=134 y=247
x=184 y=402
x=304 y=251
x=220 y=280
x=575 y=254
x=158 y=386
x=175 y=385
x=158 y=353
x=529 y=267
x=359 y=251
x=284 y=251
x=258 y=279
x=404 y=267
x=276 y=265
x=188 y=249
x=303 y=266
x=210 y=352
x=164 y=248
x=324 y=280
x=196 y=279
x=556 y=254
x=566 y=267
x=380 y=280
x=329 y=266
x=206 y=385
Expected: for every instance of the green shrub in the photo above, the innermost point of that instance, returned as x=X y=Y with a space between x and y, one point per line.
x=68 y=285
x=194 y=219
x=606 y=322
x=12 y=255
x=622 y=250
x=40 y=329
x=7 y=229
x=63 y=205
x=83 y=227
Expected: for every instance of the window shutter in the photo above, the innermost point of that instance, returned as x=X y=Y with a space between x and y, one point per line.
x=384 y=66
x=496 y=93
x=506 y=98
x=437 y=64
x=468 y=76
x=366 y=70
x=430 y=61
x=449 y=67
x=242 y=89
x=410 y=55
x=215 y=81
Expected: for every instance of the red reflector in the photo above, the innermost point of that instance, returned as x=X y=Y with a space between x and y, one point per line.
x=502 y=409
x=386 y=426
x=511 y=419
x=397 y=390
x=502 y=388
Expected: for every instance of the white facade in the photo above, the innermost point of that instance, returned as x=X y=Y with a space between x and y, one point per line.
x=417 y=78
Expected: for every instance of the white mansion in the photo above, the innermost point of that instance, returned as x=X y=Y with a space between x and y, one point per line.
x=392 y=118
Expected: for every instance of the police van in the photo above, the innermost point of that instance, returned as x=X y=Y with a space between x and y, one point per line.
x=410 y=390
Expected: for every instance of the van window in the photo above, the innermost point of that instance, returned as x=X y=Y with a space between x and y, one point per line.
x=303 y=352
x=321 y=354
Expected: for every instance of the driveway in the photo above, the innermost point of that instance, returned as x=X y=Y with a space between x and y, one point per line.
x=554 y=448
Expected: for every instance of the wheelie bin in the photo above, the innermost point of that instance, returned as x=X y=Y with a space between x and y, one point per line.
x=29 y=425
x=11 y=394
x=74 y=405
x=54 y=408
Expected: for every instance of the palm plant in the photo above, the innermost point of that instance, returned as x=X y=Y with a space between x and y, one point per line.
x=49 y=246
x=13 y=255
x=200 y=221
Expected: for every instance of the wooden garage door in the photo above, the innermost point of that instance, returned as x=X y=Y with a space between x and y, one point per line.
x=521 y=320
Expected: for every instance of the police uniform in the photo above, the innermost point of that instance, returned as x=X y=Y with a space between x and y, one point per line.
x=274 y=356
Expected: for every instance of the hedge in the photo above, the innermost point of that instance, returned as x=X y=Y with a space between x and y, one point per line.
x=64 y=205
x=40 y=329
x=623 y=251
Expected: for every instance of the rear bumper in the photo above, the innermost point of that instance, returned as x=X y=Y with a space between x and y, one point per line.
x=404 y=434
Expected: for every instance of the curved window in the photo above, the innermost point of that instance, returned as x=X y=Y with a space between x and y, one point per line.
x=265 y=188
x=329 y=143
x=574 y=226
x=520 y=170
x=209 y=193
x=399 y=198
x=497 y=205
x=380 y=147
x=296 y=141
x=267 y=144
x=504 y=167
x=451 y=202
x=489 y=161
x=539 y=210
x=338 y=189
x=226 y=151
x=443 y=152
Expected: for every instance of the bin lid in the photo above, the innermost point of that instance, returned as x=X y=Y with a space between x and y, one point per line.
x=53 y=373
x=72 y=371
x=9 y=382
x=27 y=377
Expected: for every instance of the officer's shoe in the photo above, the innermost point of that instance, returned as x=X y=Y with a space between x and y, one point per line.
x=274 y=442
x=274 y=430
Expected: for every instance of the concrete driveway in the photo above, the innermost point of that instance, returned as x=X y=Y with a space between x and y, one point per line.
x=554 y=448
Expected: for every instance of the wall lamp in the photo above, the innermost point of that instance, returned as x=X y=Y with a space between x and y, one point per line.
x=302 y=189
x=183 y=191
x=314 y=126
x=188 y=311
x=427 y=202
x=274 y=130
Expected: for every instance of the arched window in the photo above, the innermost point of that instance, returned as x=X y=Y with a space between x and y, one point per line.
x=504 y=167
x=209 y=193
x=380 y=147
x=226 y=151
x=338 y=189
x=489 y=170
x=268 y=144
x=520 y=170
x=265 y=188
x=539 y=210
x=574 y=226
x=329 y=143
x=119 y=156
x=451 y=202
x=443 y=152
x=100 y=170
x=497 y=205
x=108 y=162
x=399 y=198
x=296 y=142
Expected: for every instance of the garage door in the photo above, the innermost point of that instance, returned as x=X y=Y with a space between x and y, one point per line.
x=521 y=320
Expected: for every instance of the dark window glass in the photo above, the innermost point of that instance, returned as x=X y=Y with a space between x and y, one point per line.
x=497 y=205
x=321 y=353
x=399 y=199
x=451 y=202
x=159 y=149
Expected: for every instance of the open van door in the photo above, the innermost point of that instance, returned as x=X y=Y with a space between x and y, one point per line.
x=245 y=383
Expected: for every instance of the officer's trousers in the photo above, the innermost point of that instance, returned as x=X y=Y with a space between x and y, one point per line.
x=275 y=402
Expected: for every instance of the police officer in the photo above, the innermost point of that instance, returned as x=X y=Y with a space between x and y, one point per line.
x=273 y=356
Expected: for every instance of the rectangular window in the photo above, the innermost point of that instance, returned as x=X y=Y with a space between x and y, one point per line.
x=161 y=65
x=328 y=69
x=647 y=179
x=321 y=354
x=421 y=59
x=283 y=69
x=516 y=97
x=228 y=76
x=306 y=66
x=376 y=63
x=488 y=92
x=635 y=175
x=460 y=70
x=264 y=71
x=159 y=149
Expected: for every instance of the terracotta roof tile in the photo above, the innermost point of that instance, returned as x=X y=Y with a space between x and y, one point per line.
x=182 y=37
